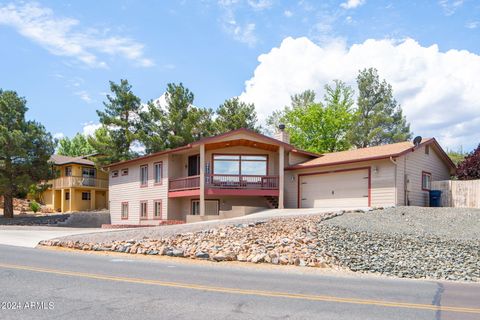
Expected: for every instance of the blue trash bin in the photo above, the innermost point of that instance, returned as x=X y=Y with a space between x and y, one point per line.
x=435 y=197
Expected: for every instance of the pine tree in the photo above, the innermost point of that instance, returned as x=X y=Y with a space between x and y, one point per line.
x=378 y=118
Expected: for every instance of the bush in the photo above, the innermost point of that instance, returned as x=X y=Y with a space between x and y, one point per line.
x=34 y=206
x=469 y=168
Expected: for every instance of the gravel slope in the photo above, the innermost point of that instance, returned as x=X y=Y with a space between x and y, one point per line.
x=447 y=223
x=408 y=242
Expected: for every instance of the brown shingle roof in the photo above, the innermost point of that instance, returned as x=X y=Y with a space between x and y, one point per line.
x=363 y=154
x=60 y=160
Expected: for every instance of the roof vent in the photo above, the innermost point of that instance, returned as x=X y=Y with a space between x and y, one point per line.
x=417 y=140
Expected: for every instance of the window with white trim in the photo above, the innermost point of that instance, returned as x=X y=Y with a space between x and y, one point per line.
x=125 y=172
x=114 y=173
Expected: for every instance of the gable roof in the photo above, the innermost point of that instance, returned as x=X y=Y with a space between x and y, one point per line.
x=61 y=160
x=287 y=146
x=371 y=153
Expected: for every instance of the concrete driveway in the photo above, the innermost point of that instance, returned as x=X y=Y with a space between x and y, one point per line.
x=30 y=236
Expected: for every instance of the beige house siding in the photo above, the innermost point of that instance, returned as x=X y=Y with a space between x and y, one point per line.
x=382 y=182
x=296 y=158
x=127 y=189
x=412 y=164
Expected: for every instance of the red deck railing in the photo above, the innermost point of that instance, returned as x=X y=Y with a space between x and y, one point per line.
x=225 y=181
x=187 y=183
x=231 y=181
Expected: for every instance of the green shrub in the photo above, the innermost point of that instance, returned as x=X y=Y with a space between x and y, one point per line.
x=34 y=206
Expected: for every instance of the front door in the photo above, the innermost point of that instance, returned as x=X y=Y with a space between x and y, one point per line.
x=194 y=165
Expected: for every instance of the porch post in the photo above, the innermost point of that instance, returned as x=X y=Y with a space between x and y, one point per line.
x=71 y=201
x=53 y=199
x=92 y=200
x=281 y=177
x=202 y=179
x=62 y=200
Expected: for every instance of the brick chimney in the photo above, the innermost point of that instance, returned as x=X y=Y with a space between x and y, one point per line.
x=281 y=134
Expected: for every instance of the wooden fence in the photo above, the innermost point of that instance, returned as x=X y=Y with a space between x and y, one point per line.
x=460 y=194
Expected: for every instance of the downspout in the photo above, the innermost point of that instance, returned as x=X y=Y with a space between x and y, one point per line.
x=395 y=179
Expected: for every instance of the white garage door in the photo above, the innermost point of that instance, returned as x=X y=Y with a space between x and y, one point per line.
x=340 y=189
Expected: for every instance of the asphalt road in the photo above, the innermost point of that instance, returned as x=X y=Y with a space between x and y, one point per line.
x=71 y=285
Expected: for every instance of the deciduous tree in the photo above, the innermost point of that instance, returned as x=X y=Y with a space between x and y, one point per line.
x=77 y=146
x=315 y=126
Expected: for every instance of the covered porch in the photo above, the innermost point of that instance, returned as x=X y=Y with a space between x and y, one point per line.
x=241 y=166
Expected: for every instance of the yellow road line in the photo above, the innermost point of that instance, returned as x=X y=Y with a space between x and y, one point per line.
x=262 y=293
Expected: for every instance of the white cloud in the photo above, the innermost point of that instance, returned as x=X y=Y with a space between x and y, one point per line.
x=242 y=32
x=352 y=4
x=450 y=6
x=60 y=36
x=90 y=127
x=472 y=24
x=260 y=4
x=287 y=13
x=84 y=96
x=439 y=91
x=58 y=135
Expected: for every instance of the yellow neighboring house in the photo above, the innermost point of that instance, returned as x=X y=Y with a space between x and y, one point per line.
x=79 y=186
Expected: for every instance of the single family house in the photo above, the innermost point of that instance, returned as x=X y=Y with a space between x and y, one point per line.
x=79 y=186
x=242 y=171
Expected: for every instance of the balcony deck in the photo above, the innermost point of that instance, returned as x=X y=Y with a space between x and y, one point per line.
x=78 y=182
x=225 y=184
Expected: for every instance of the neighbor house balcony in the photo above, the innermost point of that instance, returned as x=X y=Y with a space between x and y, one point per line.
x=225 y=184
x=78 y=182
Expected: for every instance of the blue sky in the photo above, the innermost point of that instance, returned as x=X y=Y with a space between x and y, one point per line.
x=61 y=55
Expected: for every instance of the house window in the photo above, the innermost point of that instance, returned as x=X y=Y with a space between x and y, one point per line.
x=426 y=181
x=158 y=172
x=67 y=195
x=86 y=196
x=143 y=175
x=68 y=171
x=143 y=210
x=427 y=150
x=195 y=210
x=114 y=173
x=124 y=210
x=124 y=172
x=88 y=175
x=211 y=207
x=240 y=164
x=157 y=210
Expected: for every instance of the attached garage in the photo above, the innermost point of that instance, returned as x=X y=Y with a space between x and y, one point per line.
x=347 y=188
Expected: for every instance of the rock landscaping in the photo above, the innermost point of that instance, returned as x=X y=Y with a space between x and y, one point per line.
x=328 y=240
